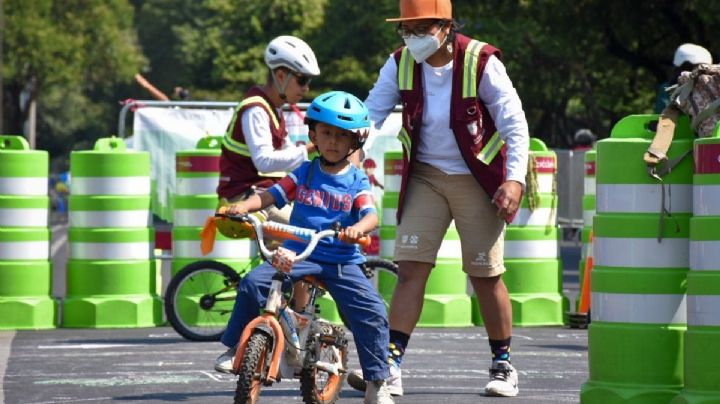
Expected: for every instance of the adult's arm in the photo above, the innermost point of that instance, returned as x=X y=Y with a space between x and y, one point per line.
x=384 y=95
x=256 y=127
x=496 y=91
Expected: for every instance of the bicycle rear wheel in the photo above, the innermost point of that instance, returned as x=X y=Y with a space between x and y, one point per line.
x=200 y=298
x=375 y=265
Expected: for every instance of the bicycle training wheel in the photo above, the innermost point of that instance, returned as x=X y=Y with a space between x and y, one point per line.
x=200 y=298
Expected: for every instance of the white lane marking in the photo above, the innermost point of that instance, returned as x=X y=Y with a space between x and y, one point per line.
x=84 y=346
x=6 y=338
x=73 y=400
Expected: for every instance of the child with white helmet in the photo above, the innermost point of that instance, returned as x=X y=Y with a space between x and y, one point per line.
x=255 y=147
x=325 y=191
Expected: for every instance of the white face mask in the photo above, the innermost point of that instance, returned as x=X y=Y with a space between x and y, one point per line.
x=422 y=48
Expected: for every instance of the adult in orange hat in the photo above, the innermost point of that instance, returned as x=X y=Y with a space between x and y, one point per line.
x=465 y=141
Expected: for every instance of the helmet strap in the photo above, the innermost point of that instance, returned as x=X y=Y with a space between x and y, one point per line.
x=281 y=88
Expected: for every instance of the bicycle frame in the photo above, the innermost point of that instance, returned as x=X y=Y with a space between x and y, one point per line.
x=270 y=320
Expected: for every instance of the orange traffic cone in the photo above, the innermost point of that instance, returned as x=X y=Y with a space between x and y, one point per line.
x=581 y=318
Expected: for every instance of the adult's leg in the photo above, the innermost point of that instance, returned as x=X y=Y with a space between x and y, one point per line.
x=407 y=299
x=495 y=306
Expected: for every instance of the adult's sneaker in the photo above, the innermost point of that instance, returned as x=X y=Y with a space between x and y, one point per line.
x=503 y=380
x=394 y=381
x=224 y=362
x=377 y=393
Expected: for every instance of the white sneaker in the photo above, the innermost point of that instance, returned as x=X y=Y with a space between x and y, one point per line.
x=224 y=362
x=394 y=381
x=377 y=393
x=503 y=380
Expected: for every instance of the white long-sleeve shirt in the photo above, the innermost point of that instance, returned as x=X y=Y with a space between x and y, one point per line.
x=437 y=145
x=256 y=128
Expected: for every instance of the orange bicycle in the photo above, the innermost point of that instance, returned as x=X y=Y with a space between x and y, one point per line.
x=282 y=343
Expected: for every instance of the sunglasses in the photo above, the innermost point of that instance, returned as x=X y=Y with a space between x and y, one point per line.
x=302 y=80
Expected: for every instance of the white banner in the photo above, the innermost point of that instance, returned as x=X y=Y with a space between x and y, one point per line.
x=165 y=131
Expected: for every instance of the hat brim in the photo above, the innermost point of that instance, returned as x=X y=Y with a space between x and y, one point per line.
x=429 y=17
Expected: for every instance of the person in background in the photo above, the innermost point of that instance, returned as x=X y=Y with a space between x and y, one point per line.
x=369 y=166
x=583 y=139
x=256 y=151
x=687 y=57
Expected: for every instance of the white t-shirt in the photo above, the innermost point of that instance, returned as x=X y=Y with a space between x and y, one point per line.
x=438 y=146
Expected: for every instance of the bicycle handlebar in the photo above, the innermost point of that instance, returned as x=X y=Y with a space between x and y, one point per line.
x=310 y=236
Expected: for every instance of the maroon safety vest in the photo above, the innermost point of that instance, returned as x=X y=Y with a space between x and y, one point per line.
x=474 y=129
x=237 y=171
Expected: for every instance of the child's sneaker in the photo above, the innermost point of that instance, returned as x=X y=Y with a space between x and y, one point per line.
x=503 y=380
x=224 y=362
x=377 y=393
x=394 y=381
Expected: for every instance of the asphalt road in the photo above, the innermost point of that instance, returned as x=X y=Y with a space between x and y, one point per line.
x=155 y=365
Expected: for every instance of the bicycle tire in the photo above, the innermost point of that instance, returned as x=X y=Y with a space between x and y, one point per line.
x=199 y=300
x=253 y=372
x=373 y=263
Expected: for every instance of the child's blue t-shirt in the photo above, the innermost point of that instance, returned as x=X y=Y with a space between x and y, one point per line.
x=322 y=199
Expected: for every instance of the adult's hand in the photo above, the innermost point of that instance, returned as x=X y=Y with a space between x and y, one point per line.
x=507 y=198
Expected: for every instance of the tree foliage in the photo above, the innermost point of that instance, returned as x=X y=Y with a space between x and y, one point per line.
x=68 y=56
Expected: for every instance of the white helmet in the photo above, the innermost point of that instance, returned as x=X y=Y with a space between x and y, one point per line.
x=292 y=53
x=693 y=54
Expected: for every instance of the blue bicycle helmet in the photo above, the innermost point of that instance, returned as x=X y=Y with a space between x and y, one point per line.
x=340 y=109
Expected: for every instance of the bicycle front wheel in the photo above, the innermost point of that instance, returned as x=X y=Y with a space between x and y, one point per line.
x=200 y=298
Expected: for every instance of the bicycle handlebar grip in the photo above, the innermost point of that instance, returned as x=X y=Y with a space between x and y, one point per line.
x=363 y=241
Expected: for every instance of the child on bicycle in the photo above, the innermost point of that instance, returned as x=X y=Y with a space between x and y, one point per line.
x=326 y=190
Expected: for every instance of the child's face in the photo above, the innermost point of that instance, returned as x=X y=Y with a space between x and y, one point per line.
x=332 y=142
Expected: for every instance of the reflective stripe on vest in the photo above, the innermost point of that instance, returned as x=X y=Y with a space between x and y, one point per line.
x=232 y=144
x=472 y=54
x=404 y=138
x=406 y=68
x=491 y=149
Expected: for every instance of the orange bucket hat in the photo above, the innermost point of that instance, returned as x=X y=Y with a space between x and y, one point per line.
x=424 y=9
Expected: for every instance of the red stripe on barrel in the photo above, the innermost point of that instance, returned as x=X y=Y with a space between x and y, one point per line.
x=589 y=168
x=393 y=167
x=707 y=159
x=545 y=165
x=197 y=164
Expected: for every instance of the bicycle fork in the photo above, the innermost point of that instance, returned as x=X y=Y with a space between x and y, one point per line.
x=268 y=323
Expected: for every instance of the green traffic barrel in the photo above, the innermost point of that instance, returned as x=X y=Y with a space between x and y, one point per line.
x=111 y=271
x=25 y=268
x=702 y=353
x=533 y=274
x=641 y=261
